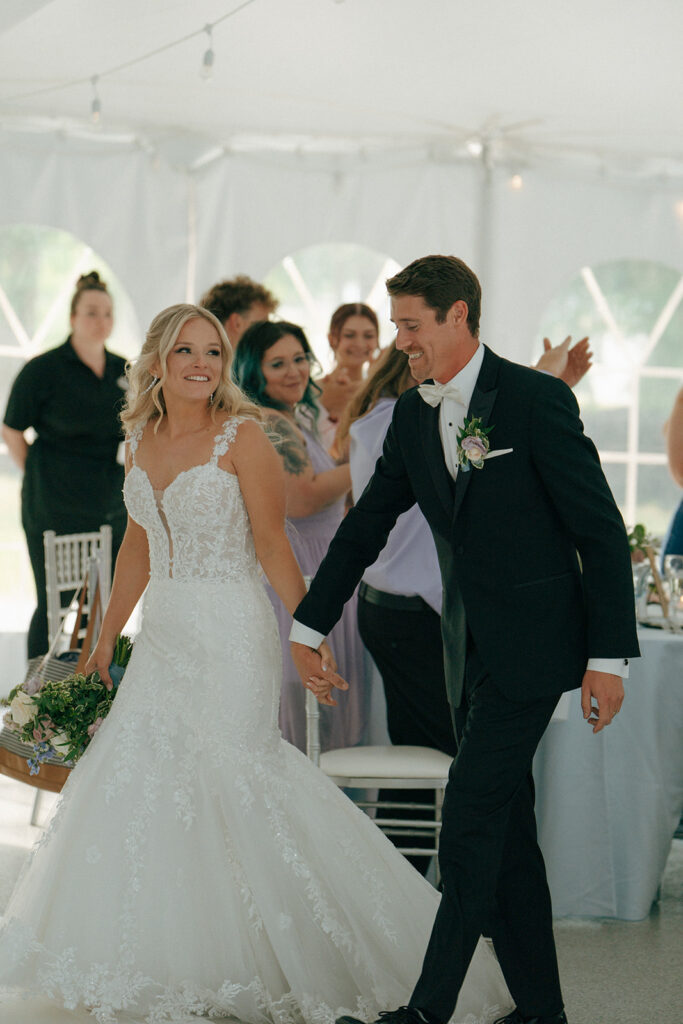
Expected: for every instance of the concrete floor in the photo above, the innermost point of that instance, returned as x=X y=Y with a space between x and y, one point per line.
x=613 y=972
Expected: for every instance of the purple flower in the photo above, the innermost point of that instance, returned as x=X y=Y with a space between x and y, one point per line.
x=475 y=449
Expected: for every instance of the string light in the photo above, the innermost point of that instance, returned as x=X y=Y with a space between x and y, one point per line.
x=96 y=105
x=516 y=182
x=106 y=72
x=208 y=58
x=474 y=146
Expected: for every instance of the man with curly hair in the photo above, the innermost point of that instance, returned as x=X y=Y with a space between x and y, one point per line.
x=237 y=303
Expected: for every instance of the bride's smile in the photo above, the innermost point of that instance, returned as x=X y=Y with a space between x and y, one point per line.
x=194 y=364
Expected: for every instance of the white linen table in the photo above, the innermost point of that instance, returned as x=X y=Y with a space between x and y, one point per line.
x=608 y=804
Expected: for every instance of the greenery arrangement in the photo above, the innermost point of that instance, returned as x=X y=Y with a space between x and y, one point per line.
x=60 y=718
x=640 y=540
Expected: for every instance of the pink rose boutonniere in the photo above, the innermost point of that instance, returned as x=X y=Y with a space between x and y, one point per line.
x=473 y=444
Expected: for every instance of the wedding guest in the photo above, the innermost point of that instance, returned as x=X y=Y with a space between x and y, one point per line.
x=673 y=541
x=538 y=600
x=354 y=338
x=272 y=365
x=237 y=303
x=71 y=396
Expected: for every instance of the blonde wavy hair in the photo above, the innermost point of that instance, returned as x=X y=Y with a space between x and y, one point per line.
x=145 y=402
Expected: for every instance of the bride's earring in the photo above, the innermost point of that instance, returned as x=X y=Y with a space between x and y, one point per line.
x=150 y=386
x=211 y=397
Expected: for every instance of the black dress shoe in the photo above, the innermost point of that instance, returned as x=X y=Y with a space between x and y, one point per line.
x=404 y=1015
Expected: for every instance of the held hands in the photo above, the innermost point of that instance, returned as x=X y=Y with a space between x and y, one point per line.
x=100 y=660
x=569 y=364
x=318 y=671
x=602 y=695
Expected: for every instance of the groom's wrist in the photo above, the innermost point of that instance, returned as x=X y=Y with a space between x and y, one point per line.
x=615 y=666
x=300 y=634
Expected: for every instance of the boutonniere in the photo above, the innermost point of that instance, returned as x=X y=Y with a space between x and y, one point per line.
x=473 y=443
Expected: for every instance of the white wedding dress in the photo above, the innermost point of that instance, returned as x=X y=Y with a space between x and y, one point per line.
x=198 y=865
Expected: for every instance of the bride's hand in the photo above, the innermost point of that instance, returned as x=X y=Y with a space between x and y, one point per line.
x=100 y=660
x=320 y=681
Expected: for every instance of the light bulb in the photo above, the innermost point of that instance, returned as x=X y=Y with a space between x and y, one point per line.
x=516 y=182
x=96 y=104
x=206 y=69
x=207 y=64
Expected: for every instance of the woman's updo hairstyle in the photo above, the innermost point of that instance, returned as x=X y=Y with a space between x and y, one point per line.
x=91 y=282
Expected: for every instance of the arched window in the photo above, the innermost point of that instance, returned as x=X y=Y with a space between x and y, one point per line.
x=632 y=311
x=312 y=282
x=39 y=267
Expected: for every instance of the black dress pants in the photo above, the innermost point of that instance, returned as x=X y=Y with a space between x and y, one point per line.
x=494 y=880
x=407 y=648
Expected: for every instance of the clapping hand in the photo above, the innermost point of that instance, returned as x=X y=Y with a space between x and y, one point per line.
x=569 y=364
x=318 y=671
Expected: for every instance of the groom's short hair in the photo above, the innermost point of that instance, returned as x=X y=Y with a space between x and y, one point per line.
x=441 y=281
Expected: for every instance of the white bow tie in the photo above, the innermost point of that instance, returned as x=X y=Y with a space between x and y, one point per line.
x=434 y=393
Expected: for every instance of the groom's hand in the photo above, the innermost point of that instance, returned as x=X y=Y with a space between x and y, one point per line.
x=318 y=671
x=602 y=695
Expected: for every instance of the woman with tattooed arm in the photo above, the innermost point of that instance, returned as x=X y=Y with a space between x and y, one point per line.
x=272 y=365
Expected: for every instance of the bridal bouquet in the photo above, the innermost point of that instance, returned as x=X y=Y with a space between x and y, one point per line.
x=60 y=718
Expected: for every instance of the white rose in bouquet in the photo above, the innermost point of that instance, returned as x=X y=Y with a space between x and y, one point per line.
x=60 y=743
x=23 y=708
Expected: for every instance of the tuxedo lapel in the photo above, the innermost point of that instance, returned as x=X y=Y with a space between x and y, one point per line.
x=483 y=397
x=433 y=454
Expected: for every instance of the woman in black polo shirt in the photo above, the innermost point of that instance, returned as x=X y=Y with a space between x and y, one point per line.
x=71 y=397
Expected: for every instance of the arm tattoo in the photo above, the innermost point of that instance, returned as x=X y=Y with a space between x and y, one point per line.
x=289 y=446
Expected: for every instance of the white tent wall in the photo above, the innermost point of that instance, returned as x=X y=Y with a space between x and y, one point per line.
x=525 y=244
x=168 y=234
x=558 y=223
x=252 y=212
x=130 y=210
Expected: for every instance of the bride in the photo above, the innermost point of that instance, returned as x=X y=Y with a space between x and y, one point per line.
x=198 y=865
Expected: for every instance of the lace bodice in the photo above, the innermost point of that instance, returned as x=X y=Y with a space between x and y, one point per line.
x=197 y=527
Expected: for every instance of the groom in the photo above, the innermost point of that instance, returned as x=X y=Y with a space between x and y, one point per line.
x=538 y=599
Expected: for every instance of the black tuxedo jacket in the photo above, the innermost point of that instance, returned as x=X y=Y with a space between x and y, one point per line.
x=532 y=548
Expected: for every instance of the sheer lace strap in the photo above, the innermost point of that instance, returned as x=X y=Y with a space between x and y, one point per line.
x=223 y=440
x=133 y=442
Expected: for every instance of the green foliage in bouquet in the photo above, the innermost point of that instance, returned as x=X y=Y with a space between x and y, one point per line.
x=60 y=718
x=640 y=540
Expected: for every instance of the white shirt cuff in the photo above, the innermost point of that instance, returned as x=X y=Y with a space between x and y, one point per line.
x=301 y=634
x=616 y=666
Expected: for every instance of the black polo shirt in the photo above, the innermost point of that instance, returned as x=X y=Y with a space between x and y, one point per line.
x=72 y=481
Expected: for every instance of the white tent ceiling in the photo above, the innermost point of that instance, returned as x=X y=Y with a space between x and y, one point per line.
x=536 y=80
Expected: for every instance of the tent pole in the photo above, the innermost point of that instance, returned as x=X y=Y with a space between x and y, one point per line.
x=190 y=284
x=485 y=221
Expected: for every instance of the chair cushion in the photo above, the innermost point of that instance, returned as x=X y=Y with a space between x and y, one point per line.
x=399 y=764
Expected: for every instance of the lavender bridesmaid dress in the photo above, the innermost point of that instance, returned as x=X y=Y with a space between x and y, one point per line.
x=310 y=536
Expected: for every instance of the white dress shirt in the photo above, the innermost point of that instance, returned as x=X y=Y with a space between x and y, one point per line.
x=452 y=414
